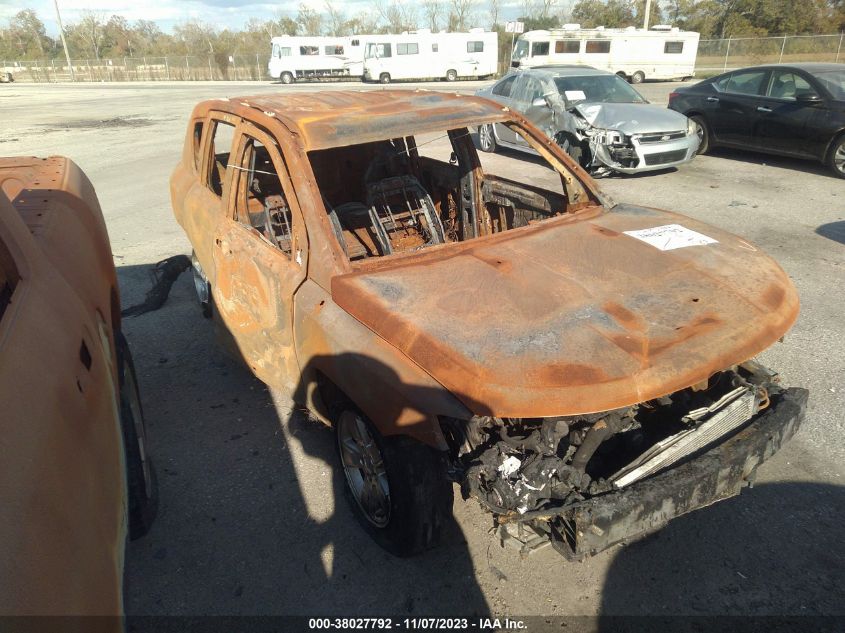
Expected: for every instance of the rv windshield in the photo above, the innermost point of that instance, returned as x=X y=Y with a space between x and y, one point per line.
x=520 y=50
x=598 y=89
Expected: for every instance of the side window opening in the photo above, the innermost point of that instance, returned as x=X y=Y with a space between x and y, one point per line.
x=673 y=47
x=747 y=83
x=9 y=278
x=197 y=143
x=224 y=135
x=475 y=47
x=597 y=46
x=503 y=88
x=406 y=194
x=567 y=46
x=539 y=48
x=260 y=201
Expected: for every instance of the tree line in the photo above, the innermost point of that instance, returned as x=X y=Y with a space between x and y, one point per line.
x=97 y=36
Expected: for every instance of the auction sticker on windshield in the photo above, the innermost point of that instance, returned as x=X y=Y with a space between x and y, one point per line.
x=671 y=236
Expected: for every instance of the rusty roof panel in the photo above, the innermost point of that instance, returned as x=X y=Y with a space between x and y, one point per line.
x=348 y=117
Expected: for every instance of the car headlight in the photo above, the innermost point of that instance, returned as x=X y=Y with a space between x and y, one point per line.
x=692 y=127
x=613 y=137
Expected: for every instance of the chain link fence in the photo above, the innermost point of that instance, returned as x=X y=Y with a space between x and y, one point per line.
x=714 y=56
x=250 y=67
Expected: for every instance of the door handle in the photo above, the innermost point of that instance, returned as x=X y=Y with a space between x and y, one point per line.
x=763 y=109
x=713 y=99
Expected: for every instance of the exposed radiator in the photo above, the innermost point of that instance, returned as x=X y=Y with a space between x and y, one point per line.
x=728 y=413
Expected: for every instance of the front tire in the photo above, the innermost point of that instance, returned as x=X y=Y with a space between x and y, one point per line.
x=451 y=75
x=487 y=138
x=703 y=134
x=202 y=286
x=836 y=158
x=384 y=78
x=286 y=78
x=140 y=475
x=396 y=486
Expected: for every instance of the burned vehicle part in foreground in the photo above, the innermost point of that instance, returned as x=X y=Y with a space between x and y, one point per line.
x=76 y=478
x=581 y=368
x=595 y=116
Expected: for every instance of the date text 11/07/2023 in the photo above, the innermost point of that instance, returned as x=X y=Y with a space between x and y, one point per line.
x=419 y=623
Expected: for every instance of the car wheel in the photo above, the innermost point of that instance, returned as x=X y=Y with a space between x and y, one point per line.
x=397 y=487
x=202 y=286
x=286 y=78
x=836 y=160
x=140 y=475
x=703 y=134
x=451 y=75
x=384 y=78
x=638 y=77
x=486 y=138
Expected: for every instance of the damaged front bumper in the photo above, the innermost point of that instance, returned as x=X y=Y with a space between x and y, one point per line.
x=585 y=528
x=636 y=156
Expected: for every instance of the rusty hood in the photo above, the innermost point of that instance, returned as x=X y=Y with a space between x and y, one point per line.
x=576 y=315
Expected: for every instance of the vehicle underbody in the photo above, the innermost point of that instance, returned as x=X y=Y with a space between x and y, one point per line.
x=584 y=483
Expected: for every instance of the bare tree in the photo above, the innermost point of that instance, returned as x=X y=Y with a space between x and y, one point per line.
x=433 y=11
x=398 y=15
x=495 y=6
x=336 y=19
x=90 y=32
x=461 y=14
x=310 y=22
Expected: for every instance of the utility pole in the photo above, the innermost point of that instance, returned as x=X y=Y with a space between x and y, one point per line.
x=64 y=41
x=646 y=12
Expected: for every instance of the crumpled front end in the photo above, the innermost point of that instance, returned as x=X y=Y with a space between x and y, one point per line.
x=626 y=138
x=585 y=483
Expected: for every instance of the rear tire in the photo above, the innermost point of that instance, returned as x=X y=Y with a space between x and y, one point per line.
x=703 y=134
x=836 y=157
x=286 y=78
x=638 y=77
x=396 y=486
x=487 y=138
x=140 y=475
x=451 y=75
x=384 y=78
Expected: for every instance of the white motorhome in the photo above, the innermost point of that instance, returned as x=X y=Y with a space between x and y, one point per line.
x=306 y=57
x=661 y=52
x=426 y=55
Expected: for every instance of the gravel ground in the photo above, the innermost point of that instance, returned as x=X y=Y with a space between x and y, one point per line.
x=251 y=520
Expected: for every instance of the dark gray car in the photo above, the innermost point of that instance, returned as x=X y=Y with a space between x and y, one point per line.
x=596 y=116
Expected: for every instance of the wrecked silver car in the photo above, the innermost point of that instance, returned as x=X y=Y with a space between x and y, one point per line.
x=595 y=116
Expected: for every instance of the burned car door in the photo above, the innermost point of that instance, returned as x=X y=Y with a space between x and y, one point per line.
x=260 y=256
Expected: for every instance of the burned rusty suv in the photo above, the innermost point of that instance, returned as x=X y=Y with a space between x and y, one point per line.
x=583 y=370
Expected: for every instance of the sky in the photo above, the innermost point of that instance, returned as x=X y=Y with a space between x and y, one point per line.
x=220 y=13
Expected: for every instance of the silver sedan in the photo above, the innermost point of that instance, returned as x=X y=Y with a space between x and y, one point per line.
x=600 y=120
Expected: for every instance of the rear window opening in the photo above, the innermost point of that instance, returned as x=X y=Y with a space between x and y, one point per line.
x=406 y=194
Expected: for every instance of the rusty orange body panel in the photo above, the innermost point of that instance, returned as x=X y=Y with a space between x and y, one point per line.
x=564 y=316
x=62 y=483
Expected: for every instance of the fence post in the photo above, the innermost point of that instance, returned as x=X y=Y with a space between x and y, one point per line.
x=53 y=65
x=167 y=67
x=782 y=46
x=727 y=52
x=210 y=72
x=257 y=67
x=840 y=46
